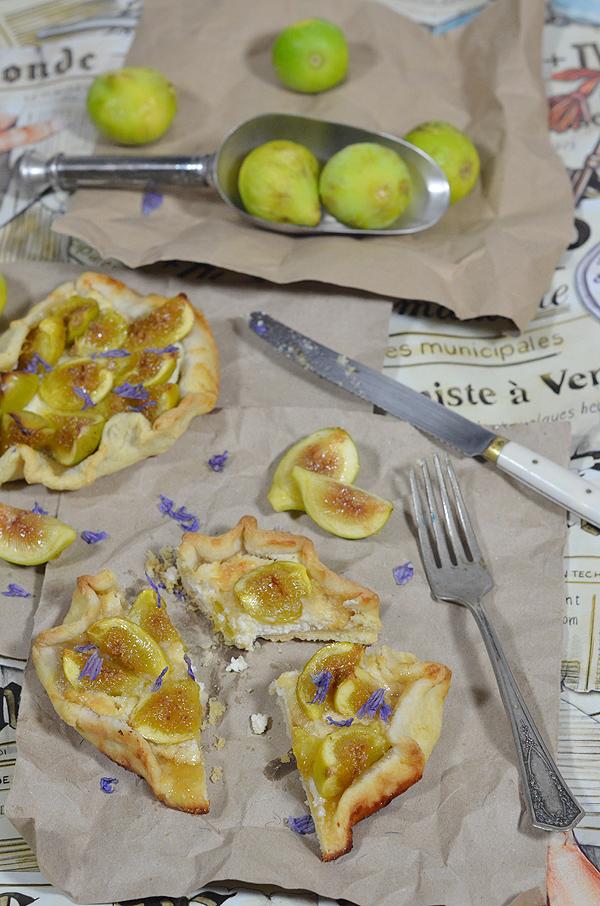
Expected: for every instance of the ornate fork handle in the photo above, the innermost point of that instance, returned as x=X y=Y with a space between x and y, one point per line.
x=550 y=803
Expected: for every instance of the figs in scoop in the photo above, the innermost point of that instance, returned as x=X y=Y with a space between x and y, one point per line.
x=29 y=539
x=340 y=508
x=330 y=451
x=278 y=181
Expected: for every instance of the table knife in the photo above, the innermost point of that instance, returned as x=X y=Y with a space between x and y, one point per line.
x=542 y=475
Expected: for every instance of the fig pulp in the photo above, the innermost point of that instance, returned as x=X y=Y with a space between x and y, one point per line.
x=170 y=715
x=453 y=152
x=339 y=508
x=167 y=324
x=24 y=427
x=366 y=186
x=108 y=330
x=29 y=539
x=153 y=619
x=330 y=451
x=132 y=106
x=47 y=340
x=17 y=388
x=148 y=368
x=340 y=659
x=77 y=312
x=311 y=56
x=57 y=388
x=278 y=181
x=273 y=593
x=346 y=754
x=112 y=679
x=128 y=644
x=75 y=437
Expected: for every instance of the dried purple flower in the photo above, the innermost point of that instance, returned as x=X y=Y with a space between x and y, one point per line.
x=375 y=704
x=151 y=201
x=111 y=354
x=107 y=784
x=322 y=681
x=19 y=424
x=38 y=510
x=188 y=661
x=217 y=462
x=36 y=361
x=259 y=327
x=158 y=681
x=132 y=392
x=339 y=723
x=163 y=350
x=156 y=587
x=92 y=666
x=303 y=825
x=88 y=402
x=94 y=537
x=88 y=647
x=403 y=573
x=16 y=591
x=385 y=712
x=186 y=520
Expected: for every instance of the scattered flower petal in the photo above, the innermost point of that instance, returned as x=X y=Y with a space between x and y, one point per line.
x=88 y=647
x=156 y=587
x=111 y=354
x=92 y=666
x=385 y=712
x=88 y=402
x=322 y=681
x=94 y=537
x=38 y=510
x=163 y=350
x=186 y=520
x=190 y=669
x=35 y=362
x=303 y=825
x=217 y=462
x=107 y=784
x=158 y=681
x=339 y=723
x=151 y=201
x=374 y=705
x=132 y=392
x=403 y=573
x=16 y=591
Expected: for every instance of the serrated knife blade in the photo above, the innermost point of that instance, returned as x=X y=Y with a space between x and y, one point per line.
x=548 y=478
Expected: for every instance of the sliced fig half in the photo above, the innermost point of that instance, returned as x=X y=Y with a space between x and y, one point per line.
x=339 y=508
x=330 y=451
x=28 y=539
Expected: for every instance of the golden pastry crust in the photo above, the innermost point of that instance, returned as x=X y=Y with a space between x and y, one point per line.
x=174 y=772
x=417 y=690
x=337 y=609
x=128 y=437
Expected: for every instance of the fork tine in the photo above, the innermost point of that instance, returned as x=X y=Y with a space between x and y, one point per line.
x=427 y=554
x=444 y=553
x=462 y=513
x=449 y=518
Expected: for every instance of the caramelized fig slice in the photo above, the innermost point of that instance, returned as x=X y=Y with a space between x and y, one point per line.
x=339 y=508
x=107 y=331
x=24 y=427
x=44 y=345
x=66 y=387
x=153 y=619
x=17 y=388
x=160 y=398
x=128 y=644
x=77 y=312
x=346 y=754
x=353 y=692
x=112 y=679
x=330 y=451
x=273 y=593
x=338 y=659
x=75 y=437
x=28 y=539
x=170 y=715
x=149 y=368
x=167 y=324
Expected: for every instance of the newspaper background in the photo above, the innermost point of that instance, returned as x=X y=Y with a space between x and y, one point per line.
x=50 y=52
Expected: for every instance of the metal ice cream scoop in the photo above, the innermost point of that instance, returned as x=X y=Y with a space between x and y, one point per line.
x=430 y=197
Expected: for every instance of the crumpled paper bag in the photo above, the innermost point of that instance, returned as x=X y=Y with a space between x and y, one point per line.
x=456 y=837
x=492 y=254
x=251 y=375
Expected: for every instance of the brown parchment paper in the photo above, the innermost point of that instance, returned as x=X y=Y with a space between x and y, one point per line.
x=250 y=376
x=492 y=254
x=454 y=838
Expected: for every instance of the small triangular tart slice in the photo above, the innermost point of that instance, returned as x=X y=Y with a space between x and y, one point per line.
x=255 y=584
x=121 y=677
x=362 y=728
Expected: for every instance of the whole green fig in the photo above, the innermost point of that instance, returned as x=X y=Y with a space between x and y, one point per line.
x=279 y=181
x=132 y=106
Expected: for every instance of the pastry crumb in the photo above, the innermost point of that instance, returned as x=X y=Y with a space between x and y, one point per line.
x=285 y=759
x=258 y=723
x=216 y=710
x=237 y=665
x=216 y=775
x=219 y=742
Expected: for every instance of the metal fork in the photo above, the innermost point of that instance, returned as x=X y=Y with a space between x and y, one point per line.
x=456 y=572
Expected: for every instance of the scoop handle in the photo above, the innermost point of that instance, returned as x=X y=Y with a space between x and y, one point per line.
x=111 y=172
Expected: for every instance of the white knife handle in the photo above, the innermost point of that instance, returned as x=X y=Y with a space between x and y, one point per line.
x=553 y=481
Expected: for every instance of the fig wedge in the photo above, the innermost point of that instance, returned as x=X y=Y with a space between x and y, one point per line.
x=339 y=659
x=28 y=539
x=170 y=715
x=346 y=754
x=44 y=345
x=153 y=619
x=339 y=508
x=17 y=388
x=75 y=437
x=273 y=593
x=330 y=451
x=25 y=427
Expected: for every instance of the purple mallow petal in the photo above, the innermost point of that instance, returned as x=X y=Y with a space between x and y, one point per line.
x=162 y=350
x=111 y=354
x=88 y=647
x=92 y=666
x=217 y=462
x=151 y=201
x=38 y=510
x=107 y=784
x=190 y=669
x=156 y=587
x=375 y=704
x=132 y=392
x=35 y=361
x=88 y=402
x=303 y=825
x=94 y=537
x=339 y=723
x=322 y=681
x=158 y=681
x=403 y=573
x=16 y=591
x=186 y=520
